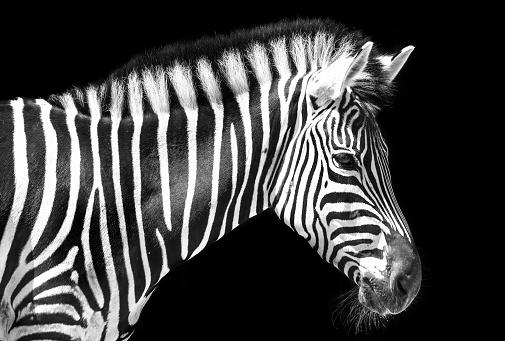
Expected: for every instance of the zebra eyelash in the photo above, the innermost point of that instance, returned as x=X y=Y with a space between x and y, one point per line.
x=346 y=160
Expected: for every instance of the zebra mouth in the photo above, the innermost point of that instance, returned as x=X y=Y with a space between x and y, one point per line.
x=371 y=296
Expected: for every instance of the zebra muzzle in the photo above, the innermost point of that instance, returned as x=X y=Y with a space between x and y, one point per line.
x=394 y=293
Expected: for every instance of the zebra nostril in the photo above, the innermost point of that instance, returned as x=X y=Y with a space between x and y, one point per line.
x=405 y=275
x=402 y=285
x=406 y=279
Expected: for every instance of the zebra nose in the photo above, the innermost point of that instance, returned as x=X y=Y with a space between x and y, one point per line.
x=406 y=280
x=405 y=277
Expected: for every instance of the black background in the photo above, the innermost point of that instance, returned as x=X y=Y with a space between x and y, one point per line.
x=263 y=281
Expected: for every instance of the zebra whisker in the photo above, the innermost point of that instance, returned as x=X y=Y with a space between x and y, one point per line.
x=350 y=313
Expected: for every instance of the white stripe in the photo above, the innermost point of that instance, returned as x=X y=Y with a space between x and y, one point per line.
x=233 y=69
x=212 y=91
x=258 y=59
x=49 y=189
x=208 y=81
x=163 y=248
x=280 y=55
x=361 y=132
x=298 y=52
x=38 y=309
x=75 y=160
x=113 y=313
x=20 y=181
x=350 y=133
x=310 y=216
x=86 y=250
x=156 y=89
x=218 y=136
x=116 y=114
x=291 y=92
x=192 y=116
x=321 y=235
x=88 y=261
x=181 y=79
x=55 y=291
x=243 y=104
x=69 y=330
x=305 y=183
x=234 y=155
x=300 y=179
x=265 y=121
x=164 y=174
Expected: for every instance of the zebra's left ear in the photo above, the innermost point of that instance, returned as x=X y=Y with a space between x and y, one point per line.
x=393 y=64
x=331 y=81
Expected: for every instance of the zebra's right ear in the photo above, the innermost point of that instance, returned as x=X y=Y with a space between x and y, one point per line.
x=329 y=83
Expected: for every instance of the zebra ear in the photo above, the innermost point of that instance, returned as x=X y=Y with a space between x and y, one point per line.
x=393 y=64
x=330 y=82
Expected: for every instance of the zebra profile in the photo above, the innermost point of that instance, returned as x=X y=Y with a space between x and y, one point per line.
x=107 y=187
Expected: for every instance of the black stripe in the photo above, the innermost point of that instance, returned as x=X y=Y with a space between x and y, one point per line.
x=280 y=159
x=336 y=197
x=82 y=125
x=203 y=187
x=342 y=262
x=306 y=191
x=274 y=122
x=238 y=126
x=97 y=254
x=376 y=253
x=225 y=185
x=350 y=272
x=314 y=202
x=349 y=215
x=257 y=141
x=105 y=153
x=367 y=228
x=354 y=242
x=7 y=172
x=297 y=188
x=125 y=135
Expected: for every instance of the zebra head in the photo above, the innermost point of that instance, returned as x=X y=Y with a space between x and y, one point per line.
x=339 y=195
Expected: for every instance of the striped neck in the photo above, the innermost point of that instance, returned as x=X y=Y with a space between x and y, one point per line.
x=205 y=156
x=206 y=169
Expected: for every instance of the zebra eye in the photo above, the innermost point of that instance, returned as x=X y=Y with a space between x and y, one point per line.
x=345 y=160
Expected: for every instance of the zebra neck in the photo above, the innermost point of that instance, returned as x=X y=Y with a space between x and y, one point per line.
x=211 y=168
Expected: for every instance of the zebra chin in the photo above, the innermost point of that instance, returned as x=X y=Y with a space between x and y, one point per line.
x=393 y=293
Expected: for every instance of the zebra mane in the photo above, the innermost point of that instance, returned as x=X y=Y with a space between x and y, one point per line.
x=212 y=68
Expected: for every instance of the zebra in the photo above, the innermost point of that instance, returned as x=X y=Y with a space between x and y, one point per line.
x=109 y=186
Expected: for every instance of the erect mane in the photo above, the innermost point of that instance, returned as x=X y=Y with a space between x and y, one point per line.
x=233 y=62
